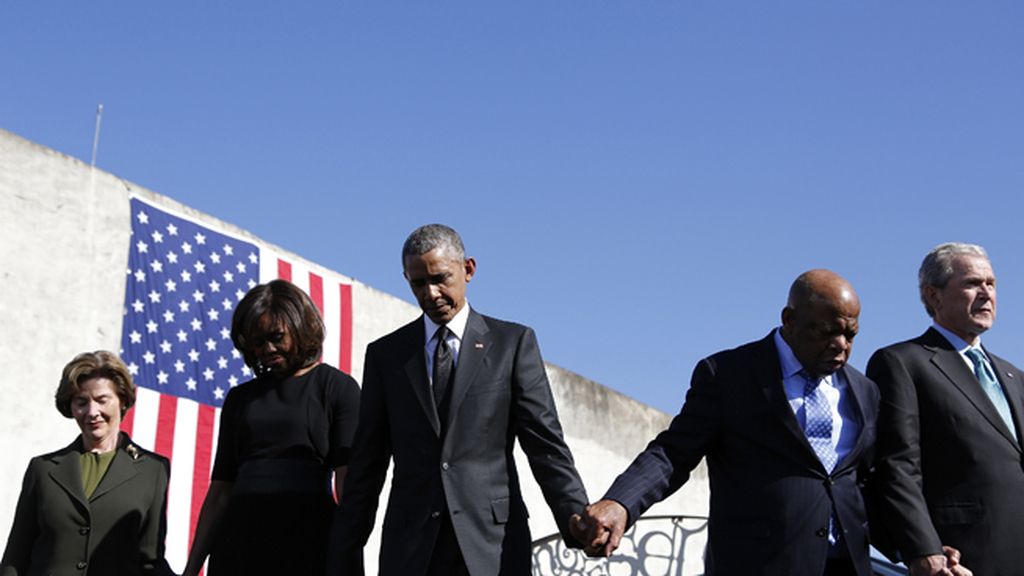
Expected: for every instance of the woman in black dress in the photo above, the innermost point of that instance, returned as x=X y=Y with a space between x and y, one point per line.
x=282 y=437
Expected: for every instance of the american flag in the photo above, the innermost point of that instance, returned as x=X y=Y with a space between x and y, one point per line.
x=184 y=280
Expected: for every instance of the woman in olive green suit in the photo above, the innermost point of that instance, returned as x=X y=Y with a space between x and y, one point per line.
x=97 y=506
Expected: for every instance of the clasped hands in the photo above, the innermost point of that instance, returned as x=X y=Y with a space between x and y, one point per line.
x=600 y=527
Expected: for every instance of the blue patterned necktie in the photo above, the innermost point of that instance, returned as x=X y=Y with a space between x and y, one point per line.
x=818 y=425
x=991 y=386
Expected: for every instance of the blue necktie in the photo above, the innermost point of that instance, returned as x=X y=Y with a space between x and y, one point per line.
x=991 y=387
x=818 y=425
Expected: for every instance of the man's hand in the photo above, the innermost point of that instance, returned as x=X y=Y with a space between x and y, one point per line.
x=945 y=564
x=600 y=527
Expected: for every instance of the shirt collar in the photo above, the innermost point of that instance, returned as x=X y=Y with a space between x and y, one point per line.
x=958 y=343
x=790 y=365
x=456 y=325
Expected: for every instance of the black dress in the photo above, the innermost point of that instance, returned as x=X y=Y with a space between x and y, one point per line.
x=279 y=442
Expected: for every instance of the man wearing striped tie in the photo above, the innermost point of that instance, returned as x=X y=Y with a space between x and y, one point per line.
x=950 y=465
x=787 y=429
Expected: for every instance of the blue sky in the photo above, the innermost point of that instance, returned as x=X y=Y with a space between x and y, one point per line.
x=639 y=181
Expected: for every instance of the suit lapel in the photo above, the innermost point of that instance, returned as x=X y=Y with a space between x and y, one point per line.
x=1011 y=381
x=415 y=366
x=949 y=362
x=121 y=470
x=476 y=342
x=68 y=475
x=770 y=380
x=857 y=396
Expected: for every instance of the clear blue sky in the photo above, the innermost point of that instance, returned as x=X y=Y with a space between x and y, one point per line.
x=640 y=181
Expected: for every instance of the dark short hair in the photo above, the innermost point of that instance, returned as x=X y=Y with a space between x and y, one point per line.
x=937 y=267
x=89 y=365
x=283 y=302
x=431 y=237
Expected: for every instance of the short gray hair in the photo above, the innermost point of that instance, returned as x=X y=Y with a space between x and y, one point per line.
x=431 y=237
x=937 y=268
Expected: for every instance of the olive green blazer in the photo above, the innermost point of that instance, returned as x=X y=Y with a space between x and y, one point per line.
x=119 y=530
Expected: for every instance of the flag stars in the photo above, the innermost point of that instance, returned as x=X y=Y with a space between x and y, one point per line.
x=135 y=337
x=138 y=306
x=154 y=297
x=252 y=258
x=240 y=267
x=218 y=393
x=233 y=381
x=193 y=355
x=186 y=248
x=246 y=371
x=199 y=267
x=214 y=257
x=226 y=304
x=172 y=230
x=213 y=314
x=228 y=250
x=157 y=237
x=200 y=239
x=161 y=377
x=222 y=363
x=140 y=275
x=183 y=306
x=171 y=285
x=151 y=327
x=228 y=276
x=141 y=247
x=191 y=384
x=156 y=266
x=198 y=296
x=235 y=354
x=239 y=294
x=168 y=316
x=214 y=286
x=186 y=276
x=133 y=369
x=251 y=283
x=143 y=217
x=211 y=344
x=172 y=258
x=165 y=347
x=225 y=334
x=179 y=366
x=182 y=335
x=197 y=325
x=208 y=374
x=148 y=357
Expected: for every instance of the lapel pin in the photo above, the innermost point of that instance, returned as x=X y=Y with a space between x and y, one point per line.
x=478 y=345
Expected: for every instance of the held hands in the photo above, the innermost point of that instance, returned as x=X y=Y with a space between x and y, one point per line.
x=945 y=564
x=600 y=527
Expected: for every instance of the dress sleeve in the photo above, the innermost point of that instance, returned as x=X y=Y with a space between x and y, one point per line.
x=225 y=465
x=344 y=414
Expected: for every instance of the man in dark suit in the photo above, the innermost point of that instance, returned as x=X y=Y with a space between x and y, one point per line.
x=949 y=453
x=445 y=397
x=787 y=429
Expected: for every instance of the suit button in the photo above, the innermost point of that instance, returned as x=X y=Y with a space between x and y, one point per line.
x=81 y=565
x=83 y=530
x=444 y=465
x=822 y=532
x=435 y=515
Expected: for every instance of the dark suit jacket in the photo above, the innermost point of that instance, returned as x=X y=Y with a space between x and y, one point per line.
x=500 y=393
x=771 y=498
x=949 y=470
x=120 y=530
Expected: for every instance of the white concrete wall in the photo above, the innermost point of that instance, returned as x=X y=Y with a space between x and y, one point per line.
x=64 y=229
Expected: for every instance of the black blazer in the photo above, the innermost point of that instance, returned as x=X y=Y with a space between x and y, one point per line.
x=119 y=530
x=500 y=394
x=771 y=498
x=949 y=470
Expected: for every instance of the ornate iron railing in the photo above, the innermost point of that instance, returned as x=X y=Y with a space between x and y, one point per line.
x=654 y=546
